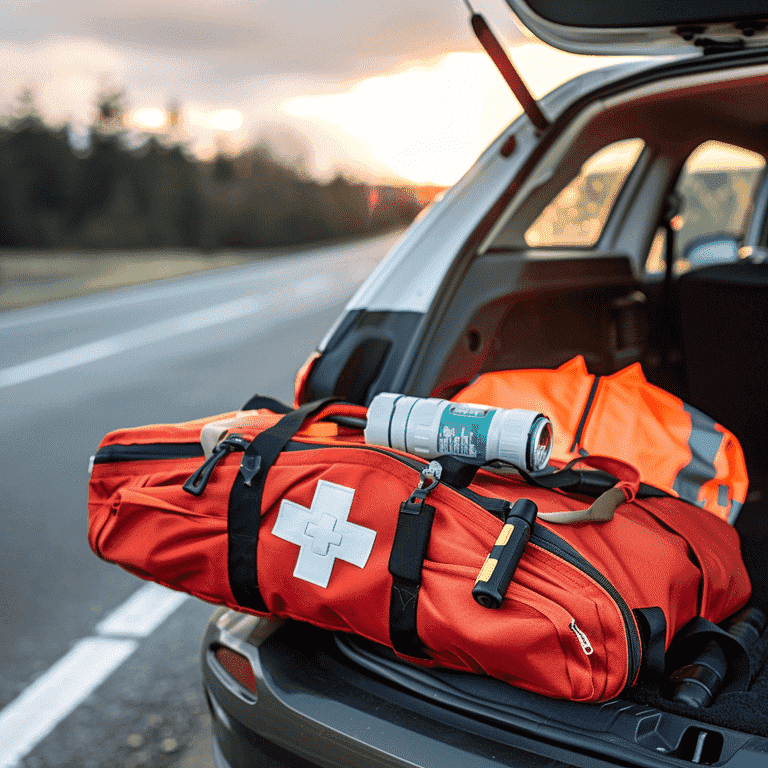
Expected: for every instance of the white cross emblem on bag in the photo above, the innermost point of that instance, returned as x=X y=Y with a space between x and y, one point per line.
x=324 y=533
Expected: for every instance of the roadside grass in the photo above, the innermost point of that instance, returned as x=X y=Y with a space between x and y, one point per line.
x=30 y=278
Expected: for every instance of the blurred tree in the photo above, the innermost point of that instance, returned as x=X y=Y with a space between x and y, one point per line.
x=110 y=112
x=26 y=108
x=176 y=132
x=99 y=174
x=113 y=194
x=223 y=168
x=36 y=171
x=104 y=165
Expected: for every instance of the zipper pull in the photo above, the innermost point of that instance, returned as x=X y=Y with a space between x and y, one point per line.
x=586 y=646
x=428 y=481
x=431 y=474
x=199 y=480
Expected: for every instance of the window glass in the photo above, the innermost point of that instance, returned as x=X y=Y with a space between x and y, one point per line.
x=578 y=214
x=717 y=186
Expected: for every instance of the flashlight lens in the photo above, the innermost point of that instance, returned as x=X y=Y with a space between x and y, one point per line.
x=541 y=445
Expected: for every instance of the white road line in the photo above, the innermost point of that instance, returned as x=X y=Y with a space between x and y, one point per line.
x=124 y=297
x=30 y=717
x=320 y=288
x=37 y=711
x=143 y=612
x=122 y=342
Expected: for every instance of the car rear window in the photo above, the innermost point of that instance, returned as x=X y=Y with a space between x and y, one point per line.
x=718 y=184
x=577 y=215
x=717 y=188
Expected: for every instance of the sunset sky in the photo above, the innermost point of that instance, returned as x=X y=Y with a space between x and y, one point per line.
x=389 y=89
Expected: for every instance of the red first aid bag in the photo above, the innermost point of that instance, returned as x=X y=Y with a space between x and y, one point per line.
x=291 y=515
x=676 y=447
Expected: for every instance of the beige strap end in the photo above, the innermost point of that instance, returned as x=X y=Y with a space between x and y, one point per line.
x=601 y=511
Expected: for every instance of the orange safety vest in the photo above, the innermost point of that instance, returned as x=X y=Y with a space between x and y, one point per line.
x=675 y=447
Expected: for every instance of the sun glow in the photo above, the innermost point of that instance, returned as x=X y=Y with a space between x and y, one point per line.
x=424 y=123
x=226 y=120
x=151 y=118
x=429 y=124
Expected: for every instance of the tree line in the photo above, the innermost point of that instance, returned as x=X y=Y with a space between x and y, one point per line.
x=158 y=195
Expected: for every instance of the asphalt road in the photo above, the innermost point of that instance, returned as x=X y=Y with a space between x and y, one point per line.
x=71 y=371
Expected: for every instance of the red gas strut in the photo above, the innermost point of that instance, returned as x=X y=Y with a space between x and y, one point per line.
x=508 y=72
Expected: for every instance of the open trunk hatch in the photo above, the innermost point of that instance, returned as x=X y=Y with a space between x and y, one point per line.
x=637 y=27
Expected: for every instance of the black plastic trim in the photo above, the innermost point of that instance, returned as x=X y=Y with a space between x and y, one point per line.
x=362 y=356
x=620 y=731
x=640 y=13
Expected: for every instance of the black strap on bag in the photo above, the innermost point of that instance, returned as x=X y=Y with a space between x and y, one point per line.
x=652 y=624
x=691 y=644
x=455 y=472
x=414 y=526
x=244 y=514
x=588 y=482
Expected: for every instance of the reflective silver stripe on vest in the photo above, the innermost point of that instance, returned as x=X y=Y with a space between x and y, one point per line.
x=704 y=443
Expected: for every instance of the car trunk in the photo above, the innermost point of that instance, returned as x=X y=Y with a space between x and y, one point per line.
x=642 y=28
x=582 y=306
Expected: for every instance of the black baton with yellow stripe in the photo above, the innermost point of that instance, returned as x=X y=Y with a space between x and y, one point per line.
x=499 y=567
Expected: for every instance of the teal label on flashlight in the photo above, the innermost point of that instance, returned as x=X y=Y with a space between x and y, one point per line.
x=464 y=431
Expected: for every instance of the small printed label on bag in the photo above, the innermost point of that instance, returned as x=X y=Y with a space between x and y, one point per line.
x=586 y=646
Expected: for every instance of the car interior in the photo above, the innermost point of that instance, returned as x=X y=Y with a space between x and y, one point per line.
x=600 y=244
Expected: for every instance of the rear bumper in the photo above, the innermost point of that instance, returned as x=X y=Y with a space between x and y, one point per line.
x=317 y=705
x=311 y=709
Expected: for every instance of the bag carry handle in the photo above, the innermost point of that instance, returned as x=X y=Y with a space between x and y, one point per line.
x=600 y=511
x=257 y=402
x=603 y=508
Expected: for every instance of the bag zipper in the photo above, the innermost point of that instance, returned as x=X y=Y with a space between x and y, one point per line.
x=552 y=543
x=110 y=454
x=198 y=480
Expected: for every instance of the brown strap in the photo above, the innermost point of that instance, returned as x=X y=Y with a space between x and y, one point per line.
x=601 y=511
